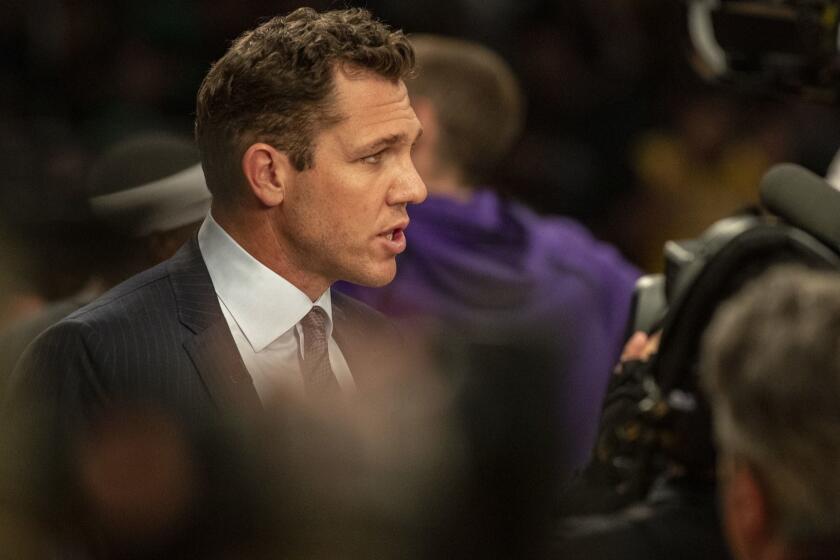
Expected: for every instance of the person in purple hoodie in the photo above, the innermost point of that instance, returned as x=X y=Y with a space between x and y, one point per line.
x=476 y=258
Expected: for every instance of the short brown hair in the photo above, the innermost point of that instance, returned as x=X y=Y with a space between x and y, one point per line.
x=771 y=368
x=477 y=98
x=276 y=84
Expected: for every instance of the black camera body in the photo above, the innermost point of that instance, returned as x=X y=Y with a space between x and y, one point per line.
x=777 y=46
x=655 y=417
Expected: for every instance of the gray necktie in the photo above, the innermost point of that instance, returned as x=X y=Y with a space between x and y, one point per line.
x=318 y=377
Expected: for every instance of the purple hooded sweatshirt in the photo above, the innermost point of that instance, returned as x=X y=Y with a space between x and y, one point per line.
x=492 y=262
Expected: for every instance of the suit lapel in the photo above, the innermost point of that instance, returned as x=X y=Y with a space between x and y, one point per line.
x=211 y=348
x=368 y=342
x=347 y=337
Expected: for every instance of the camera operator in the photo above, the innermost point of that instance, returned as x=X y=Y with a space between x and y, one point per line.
x=771 y=370
x=651 y=489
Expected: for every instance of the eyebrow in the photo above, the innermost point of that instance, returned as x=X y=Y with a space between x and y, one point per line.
x=388 y=141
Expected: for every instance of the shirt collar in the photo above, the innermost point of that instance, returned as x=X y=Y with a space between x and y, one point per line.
x=264 y=304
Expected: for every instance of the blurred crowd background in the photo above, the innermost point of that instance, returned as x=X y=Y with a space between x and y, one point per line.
x=621 y=133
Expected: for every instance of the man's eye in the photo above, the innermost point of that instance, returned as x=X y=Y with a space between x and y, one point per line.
x=374 y=158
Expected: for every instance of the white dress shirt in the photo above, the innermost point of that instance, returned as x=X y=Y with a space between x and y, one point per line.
x=263 y=311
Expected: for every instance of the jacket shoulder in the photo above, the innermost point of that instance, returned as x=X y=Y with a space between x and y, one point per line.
x=355 y=308
x=133 y=291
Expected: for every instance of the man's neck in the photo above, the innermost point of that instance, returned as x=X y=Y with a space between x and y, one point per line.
x=261 y=241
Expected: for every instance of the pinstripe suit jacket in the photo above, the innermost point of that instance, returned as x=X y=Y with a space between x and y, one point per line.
x=160 y=338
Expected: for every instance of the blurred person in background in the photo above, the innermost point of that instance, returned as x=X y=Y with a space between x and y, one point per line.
x=480 y=260
x=43 y=219
x=832 y=174
x=705 y=166
x=20 y=299
x=771 y=372
x=305 y=132
x=149 y=196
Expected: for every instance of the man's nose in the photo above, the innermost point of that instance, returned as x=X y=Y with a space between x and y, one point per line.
x=409 y=187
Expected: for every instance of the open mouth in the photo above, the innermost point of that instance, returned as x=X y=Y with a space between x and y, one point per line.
x=394 y=240
x=394 y=234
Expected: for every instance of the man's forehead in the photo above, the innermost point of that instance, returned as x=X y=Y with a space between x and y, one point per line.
x=371 y=107
x=363 y=91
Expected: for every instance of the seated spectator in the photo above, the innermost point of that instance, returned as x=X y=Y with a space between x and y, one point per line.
x=771 y=371
x=477 y=259
x=149 y=193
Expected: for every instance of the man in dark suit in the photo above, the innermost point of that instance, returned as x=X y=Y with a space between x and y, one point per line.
x=305 y=132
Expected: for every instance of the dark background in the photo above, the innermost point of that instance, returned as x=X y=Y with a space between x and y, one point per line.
x=621 y=133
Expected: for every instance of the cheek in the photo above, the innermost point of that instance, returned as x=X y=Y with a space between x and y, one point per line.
x=337 y=226
x=346 y=206
x=352 y=211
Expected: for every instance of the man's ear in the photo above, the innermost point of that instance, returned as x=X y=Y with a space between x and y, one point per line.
x=746 y=511
x=268 y=172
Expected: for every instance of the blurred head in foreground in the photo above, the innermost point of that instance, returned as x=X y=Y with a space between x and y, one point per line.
x=771 y=368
